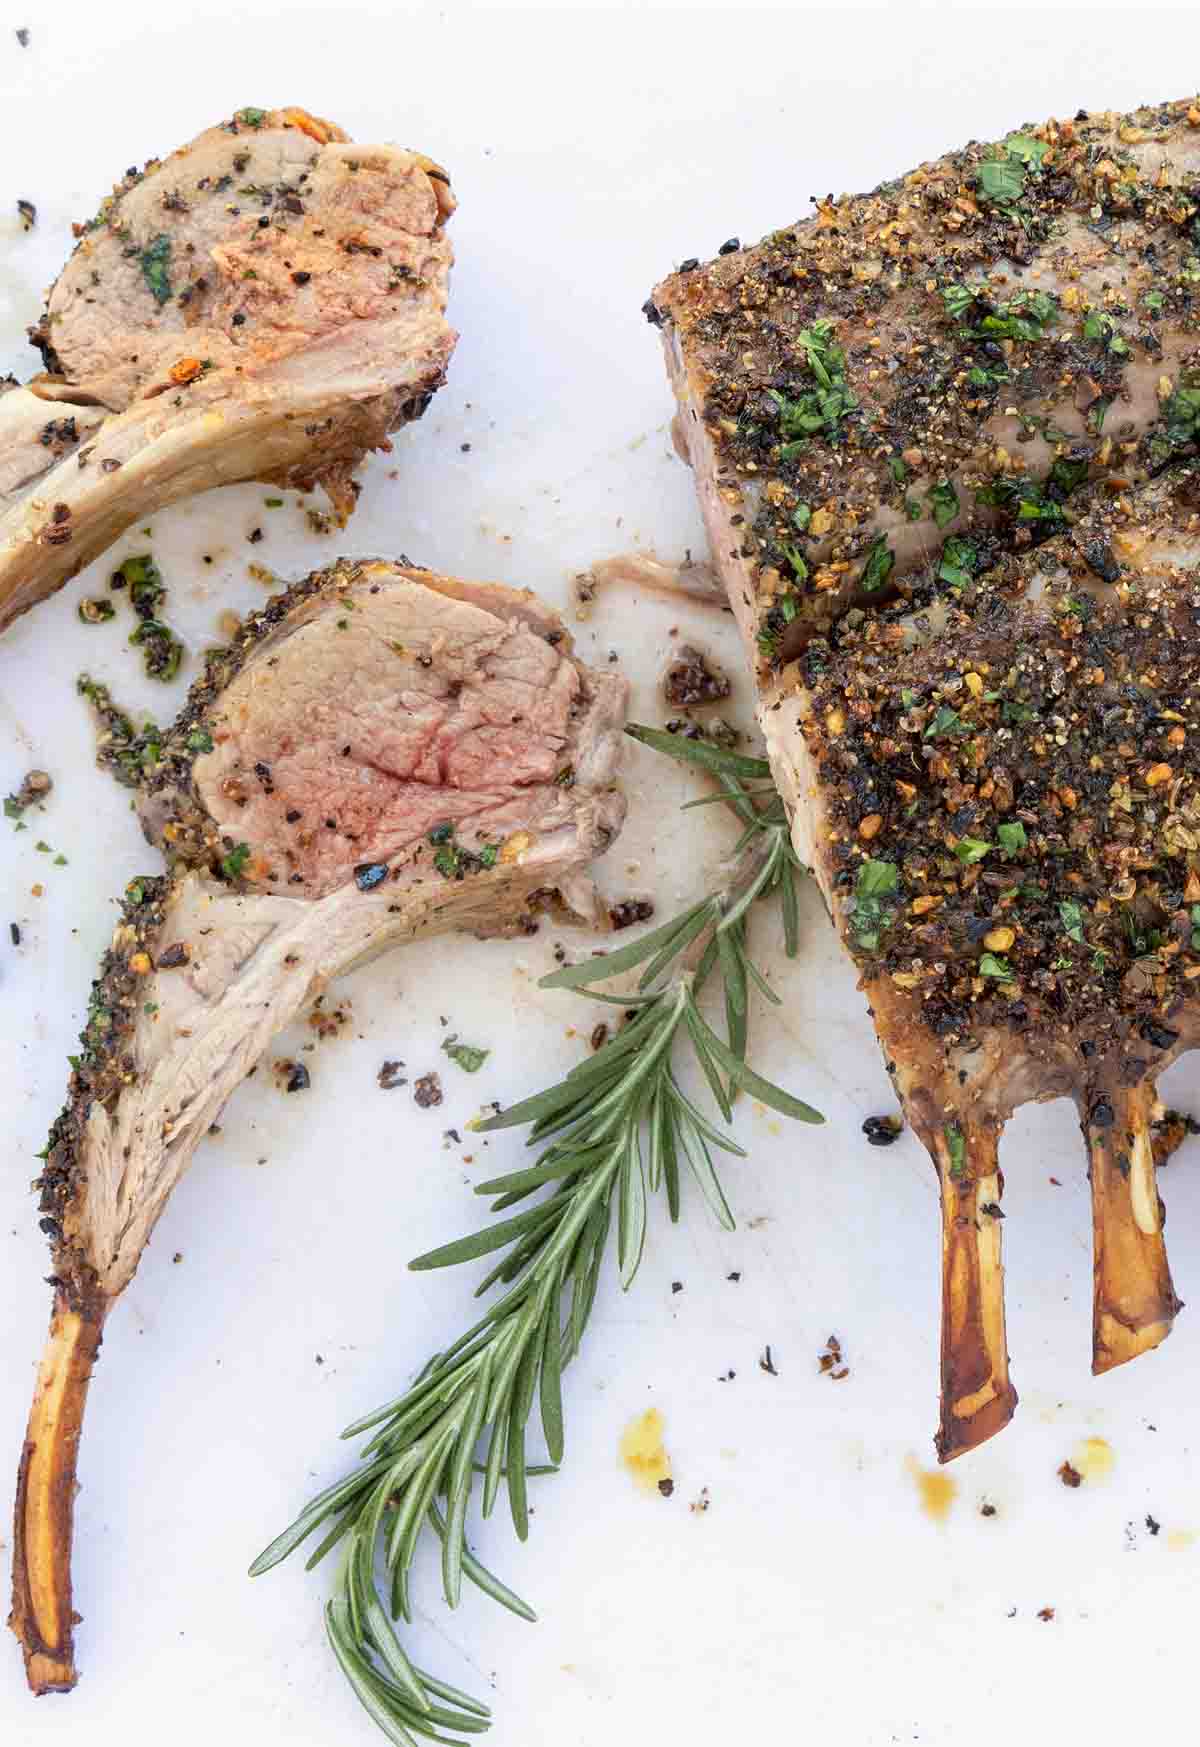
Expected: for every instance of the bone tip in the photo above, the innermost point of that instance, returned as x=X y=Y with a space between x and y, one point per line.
x=1115 y=1343
x=46 y=1673
x=959 y=1434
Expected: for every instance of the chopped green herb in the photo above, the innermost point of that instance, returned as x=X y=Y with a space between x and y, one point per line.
x=796 y=560
x=912 y=509
x=199 y=740
x=958 y=562
x=95 y=610
x=250 y=117
x=1069 y=472
x=897 y=469
x=1011 y=836
x=1000 y=180
x=273 y=503
x=487 y=855
x=971 y=849
x=876 y=879
x=958 y=299
x=162 y=650
x=943 y=503
x=881 y=561
x=802 y=516
x=946 y=721
x=448 y=860
x=999 y=969
x=956 y=1147
x=233 y=863
x=42 y=848
x=468 y=1057
x=1154 y=301
x=1030 y=151
x=150 y=1008
x=1183 y=417
x=823 y=407
x=1012 y=710
x=155 y=261
x=1196 y=927
x=1072 y=918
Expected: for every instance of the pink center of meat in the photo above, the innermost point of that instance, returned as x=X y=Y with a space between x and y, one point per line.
x=377 y=721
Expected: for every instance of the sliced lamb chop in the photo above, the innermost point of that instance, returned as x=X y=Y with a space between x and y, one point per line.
x=1006 y=746
x=383 y=754
x=267 y=303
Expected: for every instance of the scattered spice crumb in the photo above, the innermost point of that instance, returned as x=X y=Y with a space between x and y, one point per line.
x=14 y=933
x=1056 y=1182
x=666 y=1486
x=389 y=1076
x=830 y=1363
x=690 y=680
x=599 y=1036
x=37 y=891
x=318 y=1360
x=1046 y=1614
x=34 y=788
x=882 y=1130
x=28 y=212
x=643 y=1451
x=676 y=1285
x=1153 y=1524
x=767 y=1363
x=178 y=1256
x=452 y=1137
x=699 y=1505
x=988 y=1509
x=299 y=1079
x=328 y=1021
x=629 y=911
x=22 y=37
x=735 y=1276
x=1070 y=1475
x=428 y=1091
x=727 y=1377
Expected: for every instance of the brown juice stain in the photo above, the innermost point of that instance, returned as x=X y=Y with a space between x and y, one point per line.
x=1095 y=1459
x=643 y=1452
x=936 y=1489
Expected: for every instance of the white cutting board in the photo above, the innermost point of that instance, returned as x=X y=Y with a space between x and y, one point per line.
x=816 y=1600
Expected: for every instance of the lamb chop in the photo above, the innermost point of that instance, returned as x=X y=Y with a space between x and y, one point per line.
x=266 y=303
x=980 y=704
x=383 y=754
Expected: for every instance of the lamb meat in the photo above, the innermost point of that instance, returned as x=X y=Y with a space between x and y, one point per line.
x=383 y=754
x=916 y=377
x=266 y=303
x=984 y=718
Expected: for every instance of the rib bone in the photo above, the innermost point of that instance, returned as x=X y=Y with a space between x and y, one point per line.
x=390 y=746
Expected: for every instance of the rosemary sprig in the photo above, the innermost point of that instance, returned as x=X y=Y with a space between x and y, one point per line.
x=617 y=1129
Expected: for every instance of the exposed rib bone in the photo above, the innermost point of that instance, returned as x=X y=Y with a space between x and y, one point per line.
x=977 y=1396
x=1133 y=1302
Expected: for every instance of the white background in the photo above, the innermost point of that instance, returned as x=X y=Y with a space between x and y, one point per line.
x=815 y=1601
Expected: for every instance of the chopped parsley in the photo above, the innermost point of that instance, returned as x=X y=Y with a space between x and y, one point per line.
x=956 y=1147
x=1011 y=836
x=869 y=914
x=155 y=262
x=802 y=516
x=1072 y=919
x=943 y=503
x=467 y=1055
x=881 y=561
x=958 y=563
x=233 y=863
x=822 y=408
x=199 y=740
x=971 y=849
x=999 y=969
x=250 y=117
x=946 y=721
